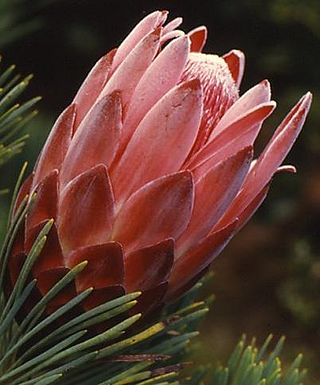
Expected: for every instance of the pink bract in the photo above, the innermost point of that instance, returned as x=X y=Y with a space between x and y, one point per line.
x=151 y=171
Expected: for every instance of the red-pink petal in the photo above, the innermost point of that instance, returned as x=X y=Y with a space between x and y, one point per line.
x=159 y=78
x=45 y=204
x=235 y=60
x=253 y=97
x=18 y=246
x=142 y=29
x=198 y=258
x=172 y=25
x=96 y=140
x=246 y=213
x=283 y=138
x=130 y=71
x=51 y=256
x=159 y=210
x=171 y=124
x=171 y=35
x=239 y=134
x=101 y=296
x=148 y=267
x=198 y=37
x=274 y=153
x=150 y=300
x=105 y=266
x=92 y=86
x=56 y=146
x=86 y=210
x=23 y=191
x=173 y=295
x=15 y=264
x=268 y=162
x=213 y=194
x=47 y=279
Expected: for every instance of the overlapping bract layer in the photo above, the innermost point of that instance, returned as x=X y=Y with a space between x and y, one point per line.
x=150 y=171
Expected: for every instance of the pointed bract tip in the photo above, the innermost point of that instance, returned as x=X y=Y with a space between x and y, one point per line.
x=164 y=13
x=169 y=242
x=231 y=225
x=265 y=83
x=287 y=168
x=98 y=169
x=178 y=20
x=306 y=100
x=180 y=44
x=238 y=52
x=184 y=39
x=198 y=37
x=242 y=156
x=159 y=17
x=72 y=107
x=201 y=28
x=187 y=175
x=235 y=53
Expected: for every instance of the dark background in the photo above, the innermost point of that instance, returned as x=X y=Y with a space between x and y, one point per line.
x=268 y=279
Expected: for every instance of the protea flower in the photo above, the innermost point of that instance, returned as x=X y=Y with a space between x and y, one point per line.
x=150 y=171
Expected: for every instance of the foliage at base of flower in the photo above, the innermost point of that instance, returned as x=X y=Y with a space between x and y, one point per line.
x=40 y=350
x=251 y=365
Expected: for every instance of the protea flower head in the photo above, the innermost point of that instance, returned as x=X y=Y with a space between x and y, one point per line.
x=150 y=171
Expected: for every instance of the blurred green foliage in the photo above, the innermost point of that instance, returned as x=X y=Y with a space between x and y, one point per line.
x=251 y=365
x=20 y=18
x=268 y=279
x=297 y=292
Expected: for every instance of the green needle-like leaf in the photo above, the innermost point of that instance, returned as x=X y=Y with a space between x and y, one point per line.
x=251 y=366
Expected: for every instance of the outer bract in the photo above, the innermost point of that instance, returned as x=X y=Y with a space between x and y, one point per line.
x=150 y=171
